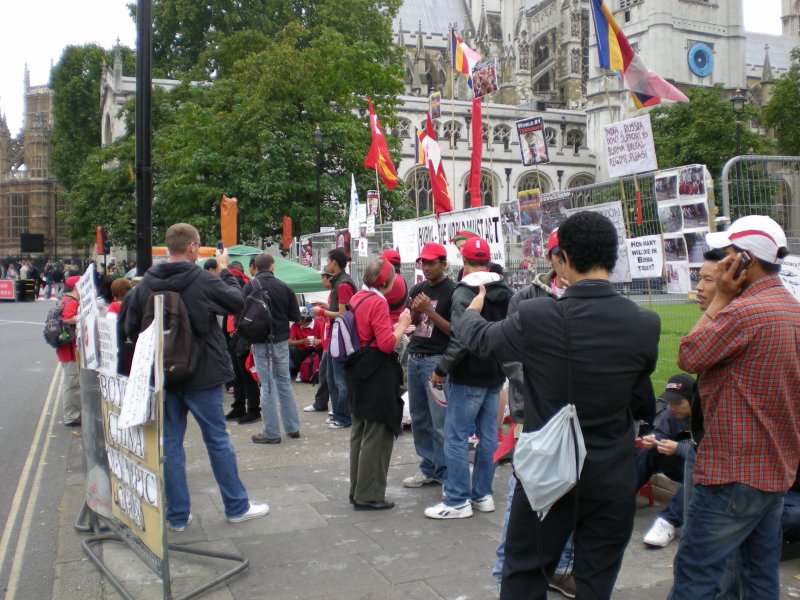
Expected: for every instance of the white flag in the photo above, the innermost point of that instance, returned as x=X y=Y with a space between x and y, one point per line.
x=352 y=222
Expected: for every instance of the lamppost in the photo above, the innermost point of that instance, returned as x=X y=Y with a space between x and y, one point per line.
x=560 y=174
x=508 y=184
x=318 y=145
x=738 y=101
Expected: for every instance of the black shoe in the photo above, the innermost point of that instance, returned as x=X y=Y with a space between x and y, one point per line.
x=249 y=418
x=294 y=434
x=352 y=500
x=234 y=415
x=373 y=505
x=75 y=423
x=262 y=439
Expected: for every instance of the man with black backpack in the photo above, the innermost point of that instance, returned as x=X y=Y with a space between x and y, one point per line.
x=203 y=296
x=270 y=299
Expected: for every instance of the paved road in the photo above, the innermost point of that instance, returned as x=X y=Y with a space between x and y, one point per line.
x=33 y=445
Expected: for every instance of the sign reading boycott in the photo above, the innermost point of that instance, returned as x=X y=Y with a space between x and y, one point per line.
x=410 y=236
x=629 y=147
x=645 y=256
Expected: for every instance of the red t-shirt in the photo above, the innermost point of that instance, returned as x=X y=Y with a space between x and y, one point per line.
x=298 y=332
x=67 y=353
x=373 y=321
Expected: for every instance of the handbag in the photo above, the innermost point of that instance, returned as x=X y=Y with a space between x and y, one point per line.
x=548 y=462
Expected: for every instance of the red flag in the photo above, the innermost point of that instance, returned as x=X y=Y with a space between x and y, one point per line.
x=378 y=157
x=477 y=155
x=287 y=232
x=433 y=157
x=429 y=128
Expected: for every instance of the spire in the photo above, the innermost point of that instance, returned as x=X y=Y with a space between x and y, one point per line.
x=420 y=41
x=27 y=78
x=766 y=72
x=401 y=39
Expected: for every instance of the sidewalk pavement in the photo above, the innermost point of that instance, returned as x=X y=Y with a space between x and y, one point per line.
x=312 y=545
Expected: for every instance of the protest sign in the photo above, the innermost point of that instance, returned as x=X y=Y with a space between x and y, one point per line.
x=790 y=274
x=531 y=141
x=629 y=147
x=87 y=320
x=613 y=211
x=645 y=257
x=484 y=78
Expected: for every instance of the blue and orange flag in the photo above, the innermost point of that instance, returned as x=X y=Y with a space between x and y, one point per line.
x=378 y=157
x=419 y=149
x=615 y=54
x=463 y=57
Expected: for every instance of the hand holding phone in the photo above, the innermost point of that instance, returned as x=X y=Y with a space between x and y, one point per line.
x=744 y=260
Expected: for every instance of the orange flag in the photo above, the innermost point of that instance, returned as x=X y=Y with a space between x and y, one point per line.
x=378 y=157
x=287 y=232
x=229 y=221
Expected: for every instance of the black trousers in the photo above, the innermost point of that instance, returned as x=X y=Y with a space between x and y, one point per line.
x=603 y=531
x=322 y=396
x=246 y=395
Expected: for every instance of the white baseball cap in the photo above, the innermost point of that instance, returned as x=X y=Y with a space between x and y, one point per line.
x=760 y=235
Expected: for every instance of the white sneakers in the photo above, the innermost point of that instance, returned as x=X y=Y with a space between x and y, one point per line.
x=254 y=512
x=442 y=511
x=418 y=479
x=660 y=534
x=172 y=527
x=485 y=504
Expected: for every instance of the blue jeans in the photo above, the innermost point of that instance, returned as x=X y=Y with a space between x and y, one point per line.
x=721 y=520
x=427 y=417
x=468 y=404
x=206 y=408
x=337 y=388
x=790 y=519
x=272 y=366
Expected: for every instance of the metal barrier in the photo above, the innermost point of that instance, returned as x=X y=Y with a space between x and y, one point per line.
x=764 y=185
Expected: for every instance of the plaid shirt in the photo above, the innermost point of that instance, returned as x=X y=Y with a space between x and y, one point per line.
x=749 y=356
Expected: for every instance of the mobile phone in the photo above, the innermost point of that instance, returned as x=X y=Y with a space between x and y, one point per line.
x=220 y=246
x=744 y=261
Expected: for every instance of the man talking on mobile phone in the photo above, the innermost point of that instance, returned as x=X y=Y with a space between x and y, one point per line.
x=745 y=346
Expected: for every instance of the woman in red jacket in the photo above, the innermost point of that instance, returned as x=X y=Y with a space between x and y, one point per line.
x=373 y=380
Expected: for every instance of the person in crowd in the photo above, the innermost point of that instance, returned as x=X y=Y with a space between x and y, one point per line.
x=545 y=285
x=664 y=451
x=342 y=290
x=47 y=276
x=431 y=302
x=205 y=296
x=322 y=395
x=744 y=348
x=473 y=389
x=374 y=377
x=398 y=295
x=58 y=280
x=67 y=357
x=246 y=406
x=119 y=289
x=11 y=271
x=790 y=518
x=459 y=239
x=272 y=357
x=608 y=364
x=305 y=340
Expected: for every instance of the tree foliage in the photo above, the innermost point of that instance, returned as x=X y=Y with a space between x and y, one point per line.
x=703 y=131
x=784 y=106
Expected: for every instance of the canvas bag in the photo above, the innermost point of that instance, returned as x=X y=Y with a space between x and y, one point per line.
x=548 y=462
x=344 y=337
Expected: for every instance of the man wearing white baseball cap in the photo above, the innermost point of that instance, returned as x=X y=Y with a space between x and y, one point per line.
x=745 y=345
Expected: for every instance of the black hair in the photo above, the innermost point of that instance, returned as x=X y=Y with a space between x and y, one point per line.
x=252 y=262
x=211 y=263
x=768 y=267
x=236 y=265
x=338 y=256
x=715 y=254
x=589 y=240
x=477 y=264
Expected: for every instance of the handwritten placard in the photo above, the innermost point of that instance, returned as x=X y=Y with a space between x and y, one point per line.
x=629 y=147
x=645 y=256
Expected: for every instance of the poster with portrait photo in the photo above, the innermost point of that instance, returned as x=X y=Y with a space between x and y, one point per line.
x=671 y=218
x=694 y=277
x=554 y=210
x=484 y=78
x=692 y=183
x=678 y=278
x=532 y=239
x=695 y=216
x=696 y=246
x=306 y=251
x=530 y=203
x=666 y=185
x=343 y=241
x=531 y=141
x=509 y=215
x=675 y=248
x=373 y=198
x=435 y=105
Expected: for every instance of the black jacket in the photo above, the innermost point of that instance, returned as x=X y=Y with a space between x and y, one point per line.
x=206 y=296
x=463 y=366
x=282 y=303
x=614 y=347
x=373 y=387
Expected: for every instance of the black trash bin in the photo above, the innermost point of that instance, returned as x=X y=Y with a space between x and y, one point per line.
x=26 y=290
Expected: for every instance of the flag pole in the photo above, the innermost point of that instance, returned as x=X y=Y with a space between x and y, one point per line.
x=490 y=140
x=452 y=113
x=378 y=188
x=416 y=189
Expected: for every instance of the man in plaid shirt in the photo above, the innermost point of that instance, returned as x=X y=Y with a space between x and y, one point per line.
x=746 y=345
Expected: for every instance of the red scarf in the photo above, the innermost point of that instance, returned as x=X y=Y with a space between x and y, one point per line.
x=238 y=273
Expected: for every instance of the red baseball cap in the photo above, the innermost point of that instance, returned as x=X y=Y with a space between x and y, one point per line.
x=552 y=242
x=71 y=282
x=393 y=256
x=464 y=234
x=433 y=251
x=476 y=249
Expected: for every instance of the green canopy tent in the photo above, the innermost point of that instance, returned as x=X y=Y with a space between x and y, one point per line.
x=300 y=278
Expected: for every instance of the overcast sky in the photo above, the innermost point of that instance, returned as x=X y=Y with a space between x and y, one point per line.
x=79 y=22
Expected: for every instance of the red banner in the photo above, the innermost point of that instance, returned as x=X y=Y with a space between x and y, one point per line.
x=6 y=289
x=229 y=220
x=477 y=155
x=287 y=233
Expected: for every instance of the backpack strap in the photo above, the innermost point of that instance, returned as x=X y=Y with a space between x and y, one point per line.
x=353 y=309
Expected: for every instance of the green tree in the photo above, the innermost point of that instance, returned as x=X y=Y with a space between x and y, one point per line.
x=781 y=112
x=703 y=131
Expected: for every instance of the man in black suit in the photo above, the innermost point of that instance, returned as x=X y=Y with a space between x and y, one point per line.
x=613 y=345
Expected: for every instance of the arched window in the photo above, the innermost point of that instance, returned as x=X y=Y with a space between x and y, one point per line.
x=418 y=190
x=485 y=130
x=524 y=56
x=531 y=180
x=575 y=138
x=579 y=180
x=403 y=129
x=502 y=135
x=490 y=189
x=551 y=136
x=449 y=126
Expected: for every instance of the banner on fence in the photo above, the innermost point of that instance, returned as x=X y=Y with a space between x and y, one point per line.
x=790 y=274
x=629 y=147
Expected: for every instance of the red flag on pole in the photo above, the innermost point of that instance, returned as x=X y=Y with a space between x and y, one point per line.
x=378 y=157
x=477 y=155
x=433 y=157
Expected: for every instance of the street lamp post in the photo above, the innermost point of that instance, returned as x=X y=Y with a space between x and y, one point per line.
x=508 y=184
x=738 y=101
x=318 y=145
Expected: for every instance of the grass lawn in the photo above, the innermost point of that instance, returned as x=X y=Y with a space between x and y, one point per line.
x=676 y=321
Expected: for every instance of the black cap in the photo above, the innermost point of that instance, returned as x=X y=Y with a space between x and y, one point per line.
x=679 y=387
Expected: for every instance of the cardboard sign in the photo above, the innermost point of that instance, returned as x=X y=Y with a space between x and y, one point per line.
x=645 y=256
x=531 y=141
x=629 y=147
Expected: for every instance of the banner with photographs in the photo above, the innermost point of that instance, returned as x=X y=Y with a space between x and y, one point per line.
x=614 y=212
x=682 y=202
x=790 y=274
x=531 y=141
x=484 y=78
x=307 y=251
x=530 y=219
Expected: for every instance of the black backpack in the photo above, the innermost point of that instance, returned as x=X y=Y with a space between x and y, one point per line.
x=181 y=347
x=255 y=320
x=56 y=333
